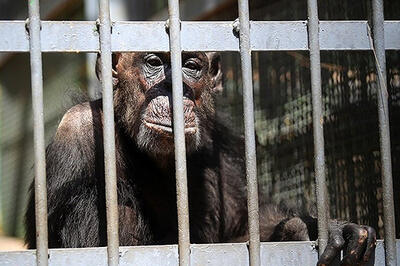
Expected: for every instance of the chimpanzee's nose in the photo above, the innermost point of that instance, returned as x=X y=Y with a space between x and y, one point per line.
x=187 y=91
x=168 y=78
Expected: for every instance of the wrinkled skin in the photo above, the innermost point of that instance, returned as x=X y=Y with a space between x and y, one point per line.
x=146 y=172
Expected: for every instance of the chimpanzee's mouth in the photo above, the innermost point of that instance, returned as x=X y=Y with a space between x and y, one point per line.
x=158 y=116
x=166 y=128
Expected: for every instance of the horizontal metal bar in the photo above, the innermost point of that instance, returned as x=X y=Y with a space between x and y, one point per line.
x=392 y=35
x=82 y=36
x=274 y=253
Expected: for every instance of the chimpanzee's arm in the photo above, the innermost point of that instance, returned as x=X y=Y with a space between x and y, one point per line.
x=357 y=240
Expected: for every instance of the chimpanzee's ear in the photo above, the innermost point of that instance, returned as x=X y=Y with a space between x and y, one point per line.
x=115 y=58
x=215 y=71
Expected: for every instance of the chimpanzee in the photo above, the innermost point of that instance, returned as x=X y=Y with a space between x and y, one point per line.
x=146 y=174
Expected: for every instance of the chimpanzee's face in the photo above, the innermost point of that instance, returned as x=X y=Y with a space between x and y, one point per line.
x=143 y=98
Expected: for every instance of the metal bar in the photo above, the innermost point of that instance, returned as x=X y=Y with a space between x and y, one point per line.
x=318 y=129
x=249 y=133
x=384 y=133
x=109 y=134
x=227 y=254
x=179 y=134
x=82 y=36
x=38 y=134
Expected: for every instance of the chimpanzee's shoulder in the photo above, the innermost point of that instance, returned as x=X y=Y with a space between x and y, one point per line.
x=80 y=121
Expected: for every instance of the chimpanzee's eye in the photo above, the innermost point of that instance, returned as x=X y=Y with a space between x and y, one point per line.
x=192 y=64
x=153 y=60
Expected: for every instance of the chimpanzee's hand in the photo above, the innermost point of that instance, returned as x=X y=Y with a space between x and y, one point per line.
x=357 y=240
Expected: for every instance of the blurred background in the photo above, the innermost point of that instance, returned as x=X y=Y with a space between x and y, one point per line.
x=282 y=95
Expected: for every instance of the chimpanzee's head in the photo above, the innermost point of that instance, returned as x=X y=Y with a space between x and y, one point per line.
x=143 y=97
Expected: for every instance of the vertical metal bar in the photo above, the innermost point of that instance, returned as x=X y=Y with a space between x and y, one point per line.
x=249 y=133
x=109 y=134
x=384 y=131
x=38 y=133
x=318 y=128
x=179 y=133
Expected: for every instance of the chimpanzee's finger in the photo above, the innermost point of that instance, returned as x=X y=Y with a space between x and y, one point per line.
x=371 y=243
x=333 y=248
x=356 y=237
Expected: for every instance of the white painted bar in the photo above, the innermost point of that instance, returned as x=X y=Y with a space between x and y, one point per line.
x=82 y=36
x=272 y=253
